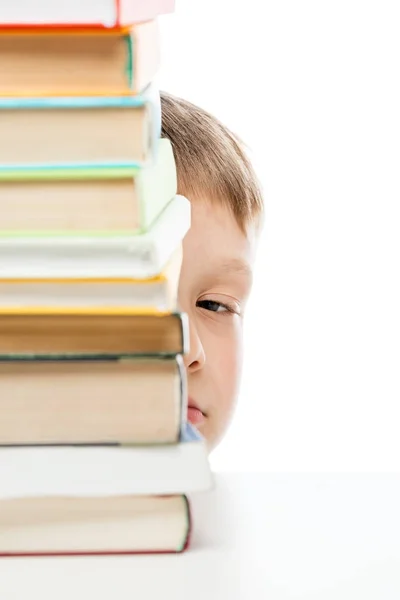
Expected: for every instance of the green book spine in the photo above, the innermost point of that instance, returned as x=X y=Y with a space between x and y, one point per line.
x=45 y=173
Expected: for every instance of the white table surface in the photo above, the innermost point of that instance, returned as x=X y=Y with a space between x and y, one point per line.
x=278 y=537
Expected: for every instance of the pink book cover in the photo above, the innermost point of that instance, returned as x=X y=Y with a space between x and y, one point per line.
x=125 y=13
x=135 y=11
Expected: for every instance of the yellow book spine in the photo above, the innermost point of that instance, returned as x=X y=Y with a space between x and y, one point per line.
x=89 y=311
x=123 y=280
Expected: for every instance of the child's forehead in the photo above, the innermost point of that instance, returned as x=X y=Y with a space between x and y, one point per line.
x=215 y=212
x=216 y=238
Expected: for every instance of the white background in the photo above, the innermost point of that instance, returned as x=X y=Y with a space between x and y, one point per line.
x=313 y=88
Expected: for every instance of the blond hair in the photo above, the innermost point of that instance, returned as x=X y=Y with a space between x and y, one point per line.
x=210 y=160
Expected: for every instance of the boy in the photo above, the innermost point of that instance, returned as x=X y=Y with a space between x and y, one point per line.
x=218 y=252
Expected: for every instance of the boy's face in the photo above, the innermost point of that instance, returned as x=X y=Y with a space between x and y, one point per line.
x=214 y=286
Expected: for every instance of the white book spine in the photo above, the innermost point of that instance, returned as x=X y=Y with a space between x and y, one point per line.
x=140 y=256
x=33 y=12
x=101 y=471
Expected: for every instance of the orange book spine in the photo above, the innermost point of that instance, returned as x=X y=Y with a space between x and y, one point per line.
x=94 y=311
x=64 y=30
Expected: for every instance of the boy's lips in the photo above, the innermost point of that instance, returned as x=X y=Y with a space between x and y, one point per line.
x=194 y=414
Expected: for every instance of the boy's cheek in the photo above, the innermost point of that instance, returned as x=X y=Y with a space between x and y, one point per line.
x=229 y=361
x=218 y=423
x=226 y=369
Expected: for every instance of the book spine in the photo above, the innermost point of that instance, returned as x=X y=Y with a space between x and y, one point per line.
x=70 y=172
x=6 y=27
x=77 y=102
x=189 y=530
x=62 y=233
x=182 y=548
x=185 y=336
x=74 y=357
x=90 y=553
x=129 y=61
x=61 y=30
x=91 y=311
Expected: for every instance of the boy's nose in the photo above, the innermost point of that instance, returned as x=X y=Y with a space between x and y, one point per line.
x=195 y=358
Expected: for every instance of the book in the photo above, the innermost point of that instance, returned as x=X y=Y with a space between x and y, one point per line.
x=159 y=294
x=79 y=131
x=80 y=333
x=116 y=401
x=95 y=471
x=84 y=62
x=37 y=202
x=92 y=257
x=96 y=13
x=103 y=525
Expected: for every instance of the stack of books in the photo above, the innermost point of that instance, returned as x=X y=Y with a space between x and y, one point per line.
x=96 y=454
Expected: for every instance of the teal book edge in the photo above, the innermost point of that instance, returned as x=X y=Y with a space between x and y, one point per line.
x=73 y=102
x=115 y=167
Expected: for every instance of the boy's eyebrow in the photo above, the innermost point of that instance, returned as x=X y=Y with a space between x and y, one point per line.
x=237 y=265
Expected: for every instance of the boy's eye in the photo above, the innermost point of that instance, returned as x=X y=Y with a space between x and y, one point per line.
x=213 y=306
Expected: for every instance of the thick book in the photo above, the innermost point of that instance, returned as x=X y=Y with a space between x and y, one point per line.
x=79 y=202
x=95 y=13
x=159 y=294
x=94 y=471
x=91 y=131
x=98 y=256
x=67 y=62
x=47 y=526
x=121 y=400
x=90 y=333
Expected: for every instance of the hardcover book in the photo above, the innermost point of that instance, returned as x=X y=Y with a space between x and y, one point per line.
x=81 y=131
x=78 y=62
x=90 y=333
x=46 y=526
x=115 y=470
x=97 y=256
x=82 y=201
x=116 y=401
